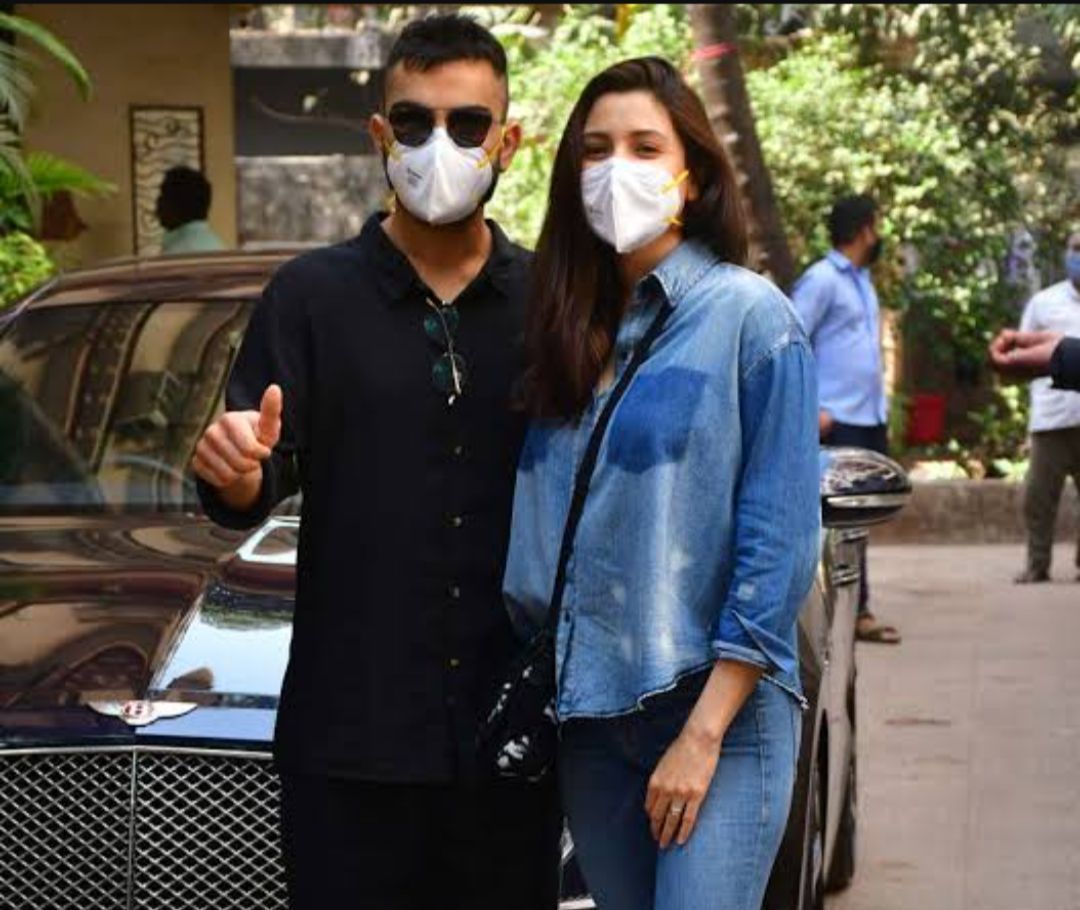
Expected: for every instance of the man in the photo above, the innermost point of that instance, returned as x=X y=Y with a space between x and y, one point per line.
x=838 y=305
x=376 y=375
x=182 y=206
x=1028 y=355
x=1054 y=420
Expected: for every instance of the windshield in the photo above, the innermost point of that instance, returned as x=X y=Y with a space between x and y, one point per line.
x=101 y=405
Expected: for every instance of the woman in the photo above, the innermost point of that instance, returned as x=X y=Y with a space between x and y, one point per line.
x=678 y=685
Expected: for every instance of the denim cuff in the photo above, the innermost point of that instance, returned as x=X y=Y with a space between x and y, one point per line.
x=723 y=650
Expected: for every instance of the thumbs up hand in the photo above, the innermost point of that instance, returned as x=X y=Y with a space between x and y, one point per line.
x=268 y=426
x=230 y=454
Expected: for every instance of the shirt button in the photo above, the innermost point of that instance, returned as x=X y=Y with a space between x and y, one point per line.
x=457 y=521
x=455 y=592
x=454 y=663
x=459 y=451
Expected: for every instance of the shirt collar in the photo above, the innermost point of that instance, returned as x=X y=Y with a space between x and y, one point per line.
x=396 y=276
x=677 y=272
x=188 y=227
x=841 y=262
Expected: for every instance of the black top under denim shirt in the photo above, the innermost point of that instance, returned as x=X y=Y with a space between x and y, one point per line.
x=1065 y=364
x=400 y=633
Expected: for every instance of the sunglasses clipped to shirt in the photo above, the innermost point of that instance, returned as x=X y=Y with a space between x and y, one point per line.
x=414 y=123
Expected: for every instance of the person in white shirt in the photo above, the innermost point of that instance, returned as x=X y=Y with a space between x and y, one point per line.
x=1054 y=422
x=182 y=206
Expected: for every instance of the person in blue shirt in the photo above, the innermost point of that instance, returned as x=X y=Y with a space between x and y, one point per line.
x=678 y=690
x=836 y=300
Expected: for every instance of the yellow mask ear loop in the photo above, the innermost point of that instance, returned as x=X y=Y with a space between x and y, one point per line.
x=489 y=157
x=670 y=185
x=388 y=147
x=391 y=152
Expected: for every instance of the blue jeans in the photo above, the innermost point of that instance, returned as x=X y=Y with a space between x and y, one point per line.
x=605 y=767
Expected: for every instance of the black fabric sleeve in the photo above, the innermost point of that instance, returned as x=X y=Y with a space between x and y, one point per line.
x=274 y=349
x=1065 y=364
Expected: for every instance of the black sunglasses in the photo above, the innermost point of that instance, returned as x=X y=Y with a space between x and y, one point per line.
x=449 y=371
x=413 y=124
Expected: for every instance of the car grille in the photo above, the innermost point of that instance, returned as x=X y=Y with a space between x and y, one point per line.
x=142 y=828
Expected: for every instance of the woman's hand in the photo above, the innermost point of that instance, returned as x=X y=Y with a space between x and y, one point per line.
x=682 y=778
x=678 y=786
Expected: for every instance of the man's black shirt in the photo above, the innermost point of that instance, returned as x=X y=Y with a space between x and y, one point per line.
x=400 y=632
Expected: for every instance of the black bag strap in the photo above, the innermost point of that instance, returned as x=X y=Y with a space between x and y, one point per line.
x=588 y=464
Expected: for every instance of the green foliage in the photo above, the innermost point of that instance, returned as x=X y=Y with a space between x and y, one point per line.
x=1005 y=74
x=48 y=174
x=547 y=75
x=24 y=264
x=1002 y=426
x=829 y=126
x=13 y=90
x=16 y=91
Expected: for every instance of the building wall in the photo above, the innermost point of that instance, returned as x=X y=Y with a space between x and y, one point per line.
x=147 y=54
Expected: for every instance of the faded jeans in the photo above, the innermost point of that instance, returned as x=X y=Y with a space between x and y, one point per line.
x=605 y=767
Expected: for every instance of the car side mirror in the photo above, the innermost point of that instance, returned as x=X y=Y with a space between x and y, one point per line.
x=860 y=488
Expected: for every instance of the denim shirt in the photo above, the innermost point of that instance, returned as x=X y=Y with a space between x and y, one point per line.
x=700 y=534
x=839 y=309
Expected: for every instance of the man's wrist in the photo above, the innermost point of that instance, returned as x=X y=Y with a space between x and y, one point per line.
x=243 y=493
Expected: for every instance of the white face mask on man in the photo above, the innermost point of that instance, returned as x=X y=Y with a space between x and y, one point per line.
x=439 y=182
x=630 y=203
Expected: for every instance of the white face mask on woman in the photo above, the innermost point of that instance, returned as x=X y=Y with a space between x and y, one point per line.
x=630 y=203
x=439 y=182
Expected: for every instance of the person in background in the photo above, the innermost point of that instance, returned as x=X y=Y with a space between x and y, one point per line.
x=1054 y=422
x=836 y=300
x=182 y=206
x=1028 y=355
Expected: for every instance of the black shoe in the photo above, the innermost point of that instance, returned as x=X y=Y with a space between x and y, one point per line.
x=1030 y=577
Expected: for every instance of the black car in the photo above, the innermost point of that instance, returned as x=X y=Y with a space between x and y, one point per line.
x=142 y=647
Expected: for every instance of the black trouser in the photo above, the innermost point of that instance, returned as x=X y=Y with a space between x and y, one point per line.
x=875 y=438
x=358 y=845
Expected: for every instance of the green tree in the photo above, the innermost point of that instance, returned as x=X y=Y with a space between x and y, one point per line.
x=948 y=202
x=723 y=89
x=1005 y=74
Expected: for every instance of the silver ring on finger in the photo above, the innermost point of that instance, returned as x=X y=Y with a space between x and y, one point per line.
x=677 y=809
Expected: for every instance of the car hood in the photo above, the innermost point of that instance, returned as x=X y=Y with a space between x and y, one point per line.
x=97 y=613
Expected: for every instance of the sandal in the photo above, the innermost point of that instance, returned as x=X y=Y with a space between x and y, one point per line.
x=867 y=628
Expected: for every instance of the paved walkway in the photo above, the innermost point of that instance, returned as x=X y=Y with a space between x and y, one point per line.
x=969 y=736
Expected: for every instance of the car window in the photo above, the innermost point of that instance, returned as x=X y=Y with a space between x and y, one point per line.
x=101 y=405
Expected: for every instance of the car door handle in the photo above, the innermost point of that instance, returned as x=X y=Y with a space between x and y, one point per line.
x=853 y=535
x=843 y=575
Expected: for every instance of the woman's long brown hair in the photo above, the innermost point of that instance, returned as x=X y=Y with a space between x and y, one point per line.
x=576 y=302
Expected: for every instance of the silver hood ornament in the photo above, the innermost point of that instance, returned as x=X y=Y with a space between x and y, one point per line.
x=141 y=713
